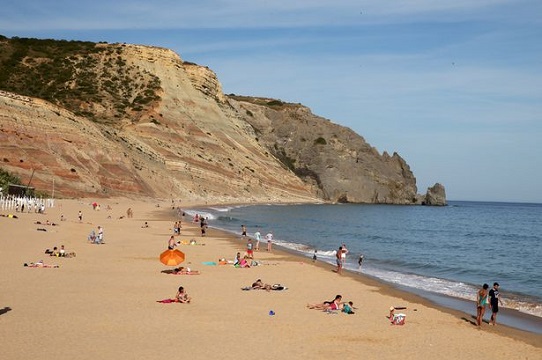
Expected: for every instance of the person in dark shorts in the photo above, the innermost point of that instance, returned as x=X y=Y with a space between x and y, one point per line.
x=494 y=301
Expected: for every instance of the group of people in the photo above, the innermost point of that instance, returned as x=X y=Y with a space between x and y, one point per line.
x=59 y=252
x=258 y=237
x=485 y=298
x=94 y=238
x=177 y=228
x=241 y=262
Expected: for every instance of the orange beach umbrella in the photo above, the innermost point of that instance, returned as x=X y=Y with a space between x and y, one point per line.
x=172 y=257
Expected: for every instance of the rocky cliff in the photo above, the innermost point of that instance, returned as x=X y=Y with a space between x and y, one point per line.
x=117 y=119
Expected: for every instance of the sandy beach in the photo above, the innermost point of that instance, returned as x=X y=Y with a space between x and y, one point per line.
x=103 y=302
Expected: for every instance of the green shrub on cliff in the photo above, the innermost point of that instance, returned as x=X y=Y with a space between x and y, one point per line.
x=6 y=178
x=320 y=141
x=74 y=74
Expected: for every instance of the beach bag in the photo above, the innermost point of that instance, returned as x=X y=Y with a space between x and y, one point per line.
x=398 y=319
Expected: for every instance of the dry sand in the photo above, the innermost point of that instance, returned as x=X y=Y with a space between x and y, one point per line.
x=102 y=303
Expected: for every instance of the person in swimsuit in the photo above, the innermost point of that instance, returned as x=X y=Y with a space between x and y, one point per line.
x=339 y=260
x=243 y=230
x=258 y=284
x=481 y=303
x=171 y=243
x=334 y=304
x=182 y=296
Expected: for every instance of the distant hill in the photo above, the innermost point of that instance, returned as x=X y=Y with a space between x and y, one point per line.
x=117 y=119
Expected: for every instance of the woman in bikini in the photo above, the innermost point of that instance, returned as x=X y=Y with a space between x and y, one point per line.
x=335 y=304
x=481 y=303
x=182 y=296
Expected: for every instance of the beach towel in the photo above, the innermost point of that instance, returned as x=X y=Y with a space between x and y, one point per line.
x=166 y=301
x=210 y=263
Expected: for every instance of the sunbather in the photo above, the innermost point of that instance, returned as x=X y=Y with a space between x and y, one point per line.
x=182 y=296
x=335 y=304
x=258 y=284
x=184 y=271
x=40 y=264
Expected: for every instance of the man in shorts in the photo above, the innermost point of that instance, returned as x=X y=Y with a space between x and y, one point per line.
x=494 y=301
x=250 y=251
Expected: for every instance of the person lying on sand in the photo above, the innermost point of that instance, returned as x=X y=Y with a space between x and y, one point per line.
x=258 y=284
x=334 y=304
x=40 y=264
x=182 y=271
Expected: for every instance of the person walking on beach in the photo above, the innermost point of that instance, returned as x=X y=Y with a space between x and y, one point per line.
x=494 y=301
x=100 y=239
x=258 y=237
x=344 y=252
x=80 y=215
x=269 y=238
x=339 y=256
x=171 y=243
x=250 y=251
x=243 y=231
x=481 y=303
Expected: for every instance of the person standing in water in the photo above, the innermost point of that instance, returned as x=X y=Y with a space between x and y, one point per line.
x=339 y=257
x=360 y=260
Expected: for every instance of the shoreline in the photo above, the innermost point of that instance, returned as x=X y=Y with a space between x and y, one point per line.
x=440 y=302
x=103 y=302
x=531 y=337
x=511 y=316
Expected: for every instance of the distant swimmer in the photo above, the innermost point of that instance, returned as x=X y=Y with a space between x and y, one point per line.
x=360 y=260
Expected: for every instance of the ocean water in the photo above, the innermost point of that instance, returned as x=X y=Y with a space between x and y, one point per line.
x=443 y=251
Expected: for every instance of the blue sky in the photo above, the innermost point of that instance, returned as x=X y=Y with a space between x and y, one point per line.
x=455 y=87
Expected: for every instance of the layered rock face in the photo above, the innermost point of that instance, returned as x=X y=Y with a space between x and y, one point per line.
x=164 y=128
x=339 y=164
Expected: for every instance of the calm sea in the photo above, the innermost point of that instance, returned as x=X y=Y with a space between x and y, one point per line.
x=442 y=252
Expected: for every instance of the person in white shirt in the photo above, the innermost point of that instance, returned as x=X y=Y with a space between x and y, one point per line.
x=269 y=238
